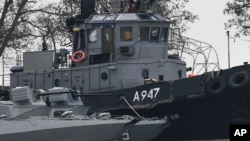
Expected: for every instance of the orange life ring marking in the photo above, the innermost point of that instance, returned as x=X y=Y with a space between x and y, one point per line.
x=75 y=55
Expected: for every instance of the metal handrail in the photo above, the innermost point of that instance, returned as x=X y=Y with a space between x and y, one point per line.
x=203 y=55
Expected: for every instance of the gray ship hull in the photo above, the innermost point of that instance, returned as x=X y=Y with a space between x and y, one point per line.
x=79 y=130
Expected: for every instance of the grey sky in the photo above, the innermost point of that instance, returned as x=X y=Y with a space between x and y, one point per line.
x=210 y=28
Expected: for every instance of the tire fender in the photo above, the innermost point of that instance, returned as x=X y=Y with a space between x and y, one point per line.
x=238 y=80
x=216 y=86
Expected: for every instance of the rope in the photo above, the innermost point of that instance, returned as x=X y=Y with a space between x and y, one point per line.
x=131 y=107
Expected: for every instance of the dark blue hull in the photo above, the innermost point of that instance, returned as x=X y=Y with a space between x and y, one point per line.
x=207 y=104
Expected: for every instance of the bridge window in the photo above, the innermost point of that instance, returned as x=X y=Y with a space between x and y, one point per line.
x=143 y=34
x=92 y=35
x=126 y=33
x=154 y=34
x=164 y=34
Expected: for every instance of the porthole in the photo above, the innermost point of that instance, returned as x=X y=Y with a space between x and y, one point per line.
x=57 y=83
x=145 y=74
x=104 y=76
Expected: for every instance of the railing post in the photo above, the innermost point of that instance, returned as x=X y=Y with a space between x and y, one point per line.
x=228 y=43
x=3 y=72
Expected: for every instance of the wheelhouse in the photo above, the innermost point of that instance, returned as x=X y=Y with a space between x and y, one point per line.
x=111 y=37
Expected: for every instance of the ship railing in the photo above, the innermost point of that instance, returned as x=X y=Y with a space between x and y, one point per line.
x=201 y=56
x=63 y=57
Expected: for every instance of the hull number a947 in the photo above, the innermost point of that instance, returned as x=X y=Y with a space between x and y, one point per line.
x=144 y=94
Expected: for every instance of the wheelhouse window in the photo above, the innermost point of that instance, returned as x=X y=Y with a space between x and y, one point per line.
x=92 y=35
x=126 y=33
x=164 y=34
x=143 y=33
x=155 y=34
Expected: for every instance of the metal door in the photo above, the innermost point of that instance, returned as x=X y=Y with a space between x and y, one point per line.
x=108 y=40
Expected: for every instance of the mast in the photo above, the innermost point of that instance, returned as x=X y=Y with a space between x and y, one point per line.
x=87 y=8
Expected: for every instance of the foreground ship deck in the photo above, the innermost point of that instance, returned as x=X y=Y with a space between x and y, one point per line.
x=41 y=129
x=29 y=119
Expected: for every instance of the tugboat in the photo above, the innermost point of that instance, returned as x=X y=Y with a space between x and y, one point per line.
x=127 y=56
x=63 y=117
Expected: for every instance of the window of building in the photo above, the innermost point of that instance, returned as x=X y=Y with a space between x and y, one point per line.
x=155 y=34
x=164 y=34
x=92 y=35
x=143 y=33
x=126 y=33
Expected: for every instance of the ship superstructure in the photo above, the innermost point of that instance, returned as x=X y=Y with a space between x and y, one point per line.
x=111 y=51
